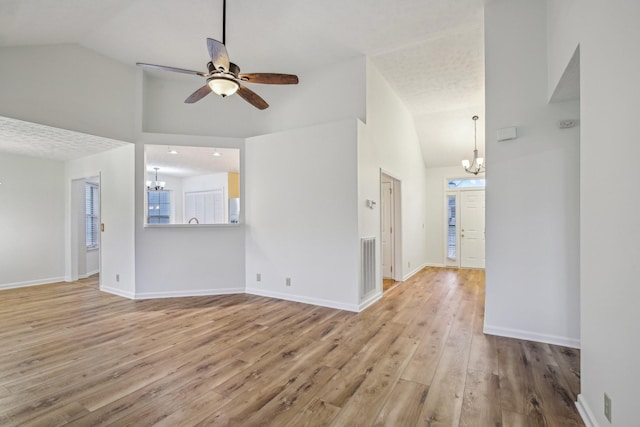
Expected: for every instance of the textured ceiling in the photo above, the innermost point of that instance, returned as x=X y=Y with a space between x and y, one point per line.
x=35 y=140
x=430 y=51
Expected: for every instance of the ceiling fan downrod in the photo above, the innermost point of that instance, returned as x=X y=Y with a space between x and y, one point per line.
x=224 y=22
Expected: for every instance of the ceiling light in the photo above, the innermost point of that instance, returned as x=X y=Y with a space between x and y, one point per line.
x=216 y=153
x=223 y=86
x=156 y=185
x=170 y=151
x=477 y=165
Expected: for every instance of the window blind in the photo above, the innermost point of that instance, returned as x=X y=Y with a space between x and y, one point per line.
x=91 y=196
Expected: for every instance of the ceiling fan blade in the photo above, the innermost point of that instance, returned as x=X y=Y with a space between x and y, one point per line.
x=174 y=69
x=270 y=78
x=252 y=98
x=198 y=94
x=218 y=54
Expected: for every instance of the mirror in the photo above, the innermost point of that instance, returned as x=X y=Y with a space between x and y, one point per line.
x=192 y=185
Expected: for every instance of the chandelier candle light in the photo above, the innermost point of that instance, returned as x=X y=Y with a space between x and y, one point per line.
x=477 y=165
x=155 y=185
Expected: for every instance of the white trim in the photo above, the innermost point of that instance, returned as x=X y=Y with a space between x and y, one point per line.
x=192 y=293
x=413 y=272
x=370 y=301
x=304 y=300
x=586 y=413
x=118 y=292
x=89 y=274
x=435 y=264
x=33 y=283
x=531 y=336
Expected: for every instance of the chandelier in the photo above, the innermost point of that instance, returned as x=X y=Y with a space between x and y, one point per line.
x=477 y=165
x=155 y=185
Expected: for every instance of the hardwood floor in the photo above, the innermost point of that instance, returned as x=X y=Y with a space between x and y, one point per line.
x=72 y=355
x=388 y=284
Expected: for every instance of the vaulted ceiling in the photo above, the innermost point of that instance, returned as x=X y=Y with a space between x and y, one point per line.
x=430 y=51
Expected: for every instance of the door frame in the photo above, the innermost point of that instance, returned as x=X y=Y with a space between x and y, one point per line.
x=396 y=185
x=448 y=191
x=76 y=218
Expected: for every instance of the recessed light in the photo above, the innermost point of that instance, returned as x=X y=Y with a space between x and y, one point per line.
x=216 y=153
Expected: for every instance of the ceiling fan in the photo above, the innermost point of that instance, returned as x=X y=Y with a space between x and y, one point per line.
x=223 y=77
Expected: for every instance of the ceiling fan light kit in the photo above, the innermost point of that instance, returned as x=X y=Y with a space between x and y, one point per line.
x=223 y=77
x=223 y=86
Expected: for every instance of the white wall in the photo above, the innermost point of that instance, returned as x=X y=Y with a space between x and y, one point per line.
x=389 y=142
x=610 y=102
x=69 y=87
x=564 y=19
x=301 y=214
x=532 y=193
x=435 y=216
x=116 y=171
x=323 y=95
x=31 y=220
x=183 y=260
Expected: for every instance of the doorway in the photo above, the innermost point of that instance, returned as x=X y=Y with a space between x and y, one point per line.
x=85 y=228
x=390 y=229
x=464 y=226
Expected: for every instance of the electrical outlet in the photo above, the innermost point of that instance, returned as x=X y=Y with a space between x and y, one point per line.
x=607 y=406
x=287 y=281
x=117 y=277
x=409 y=264
x=258 y=277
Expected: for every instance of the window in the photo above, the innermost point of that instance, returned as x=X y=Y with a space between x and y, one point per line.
x=451 y=229
x=91 y=209
x=159 y=207
x=466 y=183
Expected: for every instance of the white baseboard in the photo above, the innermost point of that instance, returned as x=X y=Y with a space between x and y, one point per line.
x=531 y=336
x=434 y=264
x=305 y=300
x=192 y=293
x=413 y=272
x=370 y=301
x=89 y=274
x=586 y=413
x=32 y=283
x=119 y=292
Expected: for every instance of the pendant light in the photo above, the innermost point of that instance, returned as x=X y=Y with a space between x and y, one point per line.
x=156 y=185
x=477 y=165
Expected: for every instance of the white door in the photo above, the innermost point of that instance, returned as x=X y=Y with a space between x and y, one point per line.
x=472 y=229
x=387 y=229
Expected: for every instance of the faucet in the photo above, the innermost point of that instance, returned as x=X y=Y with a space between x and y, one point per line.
x=194 y=218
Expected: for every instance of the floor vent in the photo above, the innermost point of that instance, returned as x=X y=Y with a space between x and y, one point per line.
x=368 y=260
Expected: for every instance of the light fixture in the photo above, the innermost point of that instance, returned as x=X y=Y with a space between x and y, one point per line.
x=223 y=86
x=155 y=185
x=477 y=165
x=171 y=151
x=216 y=153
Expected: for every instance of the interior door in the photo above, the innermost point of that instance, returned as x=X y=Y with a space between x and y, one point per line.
x=387 y=229
x=472 y=216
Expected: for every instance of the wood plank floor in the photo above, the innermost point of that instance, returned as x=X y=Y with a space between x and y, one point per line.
x=72 y=355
